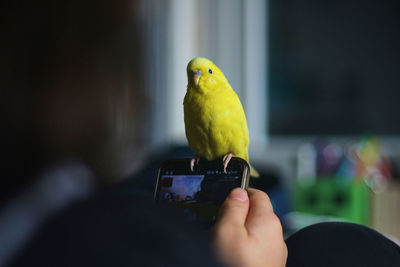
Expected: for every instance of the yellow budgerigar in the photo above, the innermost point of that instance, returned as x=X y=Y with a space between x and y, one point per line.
x=215 y=122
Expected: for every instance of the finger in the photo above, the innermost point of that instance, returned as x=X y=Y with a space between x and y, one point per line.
x=235 y=208
x=260 y=212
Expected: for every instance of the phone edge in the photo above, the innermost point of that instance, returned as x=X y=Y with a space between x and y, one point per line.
x=157 y=181
x=245 y=177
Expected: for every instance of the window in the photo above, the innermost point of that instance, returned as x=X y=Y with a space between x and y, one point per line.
x=334 y=67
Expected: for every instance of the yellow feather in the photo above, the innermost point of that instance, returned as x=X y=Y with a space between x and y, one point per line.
x=215 y=122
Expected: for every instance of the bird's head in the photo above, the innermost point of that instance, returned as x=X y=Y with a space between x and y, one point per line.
x=201 y=71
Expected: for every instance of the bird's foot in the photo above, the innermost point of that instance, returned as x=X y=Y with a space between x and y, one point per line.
x=226 y=159
x=194 y=161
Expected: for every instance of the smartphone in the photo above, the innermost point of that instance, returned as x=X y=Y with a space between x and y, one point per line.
x=199 y=193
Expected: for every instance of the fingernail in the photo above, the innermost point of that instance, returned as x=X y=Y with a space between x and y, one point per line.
x=239 y=194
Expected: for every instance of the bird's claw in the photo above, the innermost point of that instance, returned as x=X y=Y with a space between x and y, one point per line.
x=226 y=159
x=194 y=161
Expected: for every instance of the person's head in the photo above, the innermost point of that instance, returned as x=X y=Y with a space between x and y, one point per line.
x=70 y=85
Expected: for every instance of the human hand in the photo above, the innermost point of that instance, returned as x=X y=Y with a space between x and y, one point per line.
x=248 y=233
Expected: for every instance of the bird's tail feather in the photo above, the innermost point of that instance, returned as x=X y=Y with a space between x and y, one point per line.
x=253 y=172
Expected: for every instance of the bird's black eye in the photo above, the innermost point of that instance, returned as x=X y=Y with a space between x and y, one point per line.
x=210 y=71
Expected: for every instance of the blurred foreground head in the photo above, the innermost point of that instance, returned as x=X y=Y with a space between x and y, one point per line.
x=70 y=87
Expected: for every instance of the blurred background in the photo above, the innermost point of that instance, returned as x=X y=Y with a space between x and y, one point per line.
x=319 y=82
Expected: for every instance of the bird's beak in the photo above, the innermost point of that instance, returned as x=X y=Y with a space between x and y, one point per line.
x=196 y=77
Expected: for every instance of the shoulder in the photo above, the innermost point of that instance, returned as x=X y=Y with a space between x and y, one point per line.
x=115 y=230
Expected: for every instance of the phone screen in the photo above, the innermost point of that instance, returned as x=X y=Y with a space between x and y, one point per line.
x=199 y=193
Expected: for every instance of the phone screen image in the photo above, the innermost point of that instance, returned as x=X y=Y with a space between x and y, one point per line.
x=200 y=193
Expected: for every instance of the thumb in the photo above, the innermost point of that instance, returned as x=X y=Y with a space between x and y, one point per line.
x=235 y=208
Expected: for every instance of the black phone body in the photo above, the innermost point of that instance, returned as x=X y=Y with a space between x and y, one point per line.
x=201 y=192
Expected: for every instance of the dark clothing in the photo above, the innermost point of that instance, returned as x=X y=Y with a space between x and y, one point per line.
x=115 y=230
x=341 y=244
x=120 y=230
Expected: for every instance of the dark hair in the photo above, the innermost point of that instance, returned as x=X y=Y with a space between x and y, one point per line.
x=72 y=72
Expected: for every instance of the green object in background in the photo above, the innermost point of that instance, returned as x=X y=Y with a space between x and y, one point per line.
x=332 y=196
